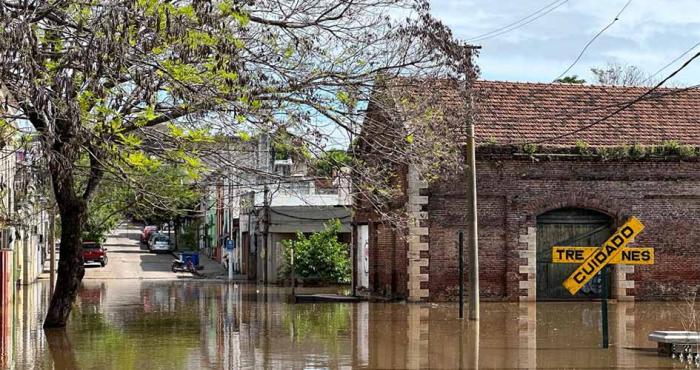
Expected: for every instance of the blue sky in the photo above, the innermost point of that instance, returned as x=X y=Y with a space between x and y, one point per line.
x=648 y=34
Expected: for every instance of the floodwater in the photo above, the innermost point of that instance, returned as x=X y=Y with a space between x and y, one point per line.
x=134 y=324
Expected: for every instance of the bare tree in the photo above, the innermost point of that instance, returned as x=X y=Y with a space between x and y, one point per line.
x=621 y=75
x=93 y=78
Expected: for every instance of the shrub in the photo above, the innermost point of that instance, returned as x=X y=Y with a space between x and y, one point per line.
x=583 y=147
x=319 y=256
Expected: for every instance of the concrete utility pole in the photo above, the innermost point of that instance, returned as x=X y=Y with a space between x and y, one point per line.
x=51 y=241
x=473 y=228
x=229 y=253
x=266 y=231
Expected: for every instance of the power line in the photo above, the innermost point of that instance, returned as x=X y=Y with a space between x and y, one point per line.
x=671 y=62
x=306 y=218
x=626 y=105
x=617 y=17
x=521 y=22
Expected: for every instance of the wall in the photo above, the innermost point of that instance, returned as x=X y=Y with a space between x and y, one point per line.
x=664 y=195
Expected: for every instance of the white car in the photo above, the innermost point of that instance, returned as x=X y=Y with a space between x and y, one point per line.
x=159 y=243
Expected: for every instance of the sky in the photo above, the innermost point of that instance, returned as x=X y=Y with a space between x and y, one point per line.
x=648 y=34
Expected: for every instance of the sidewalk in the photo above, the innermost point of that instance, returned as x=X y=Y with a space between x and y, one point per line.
x=211 y=269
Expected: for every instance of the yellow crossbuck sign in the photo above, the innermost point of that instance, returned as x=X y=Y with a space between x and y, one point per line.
x=629 y=256
x=603 y=255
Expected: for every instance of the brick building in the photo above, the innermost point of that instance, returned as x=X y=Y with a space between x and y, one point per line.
x=586 y=176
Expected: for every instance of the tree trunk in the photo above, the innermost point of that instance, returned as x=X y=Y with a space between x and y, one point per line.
x=70 y=264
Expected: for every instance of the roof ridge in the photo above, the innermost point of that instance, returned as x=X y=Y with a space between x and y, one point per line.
x=573 y=86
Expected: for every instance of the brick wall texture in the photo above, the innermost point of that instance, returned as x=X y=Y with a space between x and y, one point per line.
x=664 y=195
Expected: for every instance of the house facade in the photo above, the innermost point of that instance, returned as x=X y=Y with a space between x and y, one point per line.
x=260 y=197
x=551 y=170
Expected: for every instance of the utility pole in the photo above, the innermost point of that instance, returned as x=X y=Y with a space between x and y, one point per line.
x=266 y=230
x=294 y=275
x=229 y=253
x=51 y=241
x=473 y=228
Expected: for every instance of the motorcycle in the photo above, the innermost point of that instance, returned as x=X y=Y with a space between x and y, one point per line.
x=180 y=266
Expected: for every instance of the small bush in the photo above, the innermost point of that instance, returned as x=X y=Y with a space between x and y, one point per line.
x=583 y=147
x=638 y=151
x=687 y=151
x=529 y=148
x=319 y=256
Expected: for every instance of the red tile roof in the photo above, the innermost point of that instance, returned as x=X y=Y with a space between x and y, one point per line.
x=518 y=113
x=514 y=112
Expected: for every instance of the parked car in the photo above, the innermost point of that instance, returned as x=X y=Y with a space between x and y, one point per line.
x=146 y=233
x=94 y=252
x=159 y=243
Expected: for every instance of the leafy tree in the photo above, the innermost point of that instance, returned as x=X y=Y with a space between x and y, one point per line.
x=570 y=80
x=160 y=196
x=331 y=161
x=320 y=255
x=133 y=84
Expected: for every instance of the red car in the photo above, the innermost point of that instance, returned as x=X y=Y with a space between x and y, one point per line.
x=94 y=252
x=146 y=233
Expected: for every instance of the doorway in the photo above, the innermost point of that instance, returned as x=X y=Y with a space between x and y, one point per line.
x=561 y=227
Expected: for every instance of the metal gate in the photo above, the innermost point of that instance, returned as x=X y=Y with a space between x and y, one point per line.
x=567 y=226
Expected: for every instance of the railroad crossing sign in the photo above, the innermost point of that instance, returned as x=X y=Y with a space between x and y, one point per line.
x=594 y=259
x=603 y=255
x=628 y=256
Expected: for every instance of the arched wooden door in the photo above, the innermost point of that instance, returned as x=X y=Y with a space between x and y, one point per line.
x=567 y=226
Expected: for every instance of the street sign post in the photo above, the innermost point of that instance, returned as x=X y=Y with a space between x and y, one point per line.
x=596 y=259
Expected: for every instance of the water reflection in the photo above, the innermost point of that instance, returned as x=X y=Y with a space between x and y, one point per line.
x=134 y=324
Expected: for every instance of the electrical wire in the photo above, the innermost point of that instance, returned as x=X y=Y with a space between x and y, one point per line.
x=671 y=62
x=306 y=218
x=626 y=105
x=521 y=22
x=617 y=17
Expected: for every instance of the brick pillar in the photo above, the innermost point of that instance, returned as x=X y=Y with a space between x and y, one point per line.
x=527 y=251
x=622 y=281
x=417 y=238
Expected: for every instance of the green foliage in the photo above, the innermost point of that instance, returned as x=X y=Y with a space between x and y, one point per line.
x=614 y=152
x=319 y=256
x=570 y=80
x=529 y=148
x=583 y=147
x=163 y=195
x=286 y=145
x=331 y=161
x=667 y=148
x=101 y=220
x=637 y=151
x=188 y=238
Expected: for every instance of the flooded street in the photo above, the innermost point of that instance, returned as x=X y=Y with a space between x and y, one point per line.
x=132 y=324
x=136 y=314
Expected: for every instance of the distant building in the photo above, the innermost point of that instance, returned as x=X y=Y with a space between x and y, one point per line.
x=586 y=175
x=23 y=219
x=260 y=198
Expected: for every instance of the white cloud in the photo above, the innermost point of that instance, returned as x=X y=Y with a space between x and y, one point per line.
x=649 y=34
